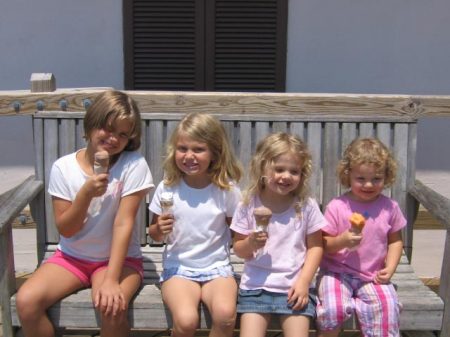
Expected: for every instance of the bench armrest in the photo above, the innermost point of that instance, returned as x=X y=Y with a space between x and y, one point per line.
x=15 y=200
x=439 y=208
x=12 y=201
x=435 y=203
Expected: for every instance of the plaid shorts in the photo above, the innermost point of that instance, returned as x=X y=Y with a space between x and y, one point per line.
x=376 y=305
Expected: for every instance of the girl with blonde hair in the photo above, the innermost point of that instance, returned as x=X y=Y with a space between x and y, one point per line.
x=361 y=256
x=201 y=174
x=280 y=262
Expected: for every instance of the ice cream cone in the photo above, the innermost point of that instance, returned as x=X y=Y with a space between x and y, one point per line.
x=262 y=218
x=101 y=162
x=358 y=222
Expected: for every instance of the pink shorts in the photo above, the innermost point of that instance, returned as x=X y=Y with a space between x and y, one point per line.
x=84 y=269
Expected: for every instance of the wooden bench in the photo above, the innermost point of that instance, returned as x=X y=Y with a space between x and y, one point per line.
x=327 y=122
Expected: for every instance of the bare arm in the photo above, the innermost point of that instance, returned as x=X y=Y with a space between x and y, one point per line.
x=394 y=253
x=70 y=216
x=298 y=295
x=161 y=225
x=245 y=245
x=347 y=239
x=122 y=231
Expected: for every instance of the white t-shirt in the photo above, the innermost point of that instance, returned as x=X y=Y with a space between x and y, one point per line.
x=93 y=242
x=285 y=250
x=201 y=238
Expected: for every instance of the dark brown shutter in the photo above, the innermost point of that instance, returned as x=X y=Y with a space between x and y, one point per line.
x=214 y=45
x=247 y=49
x=165 y=45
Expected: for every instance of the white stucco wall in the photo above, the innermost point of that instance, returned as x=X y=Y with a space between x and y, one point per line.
x=80 y=42
x=384 y=46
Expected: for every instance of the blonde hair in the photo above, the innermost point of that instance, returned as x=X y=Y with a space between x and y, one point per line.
x=110 y=106
x=204 y=128
x=367 y=151
x=267 y=151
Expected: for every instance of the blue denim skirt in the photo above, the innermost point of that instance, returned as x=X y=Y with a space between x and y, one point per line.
x=267 y=302
x=196 y=275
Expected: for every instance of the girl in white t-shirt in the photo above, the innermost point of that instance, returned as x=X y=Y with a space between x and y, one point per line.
x=201 y=173
x=95 y=215
x=280 y=260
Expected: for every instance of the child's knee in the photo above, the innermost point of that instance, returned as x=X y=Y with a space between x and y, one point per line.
x=28 y=302
x=186 y=322
x=115 y=322
x=224 y=317
x=332 y=317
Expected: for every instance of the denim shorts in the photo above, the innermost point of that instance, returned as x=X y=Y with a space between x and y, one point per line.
x=197 y=275
x=267 y=302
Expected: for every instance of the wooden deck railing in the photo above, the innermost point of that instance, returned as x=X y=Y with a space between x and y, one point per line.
x=316 y=106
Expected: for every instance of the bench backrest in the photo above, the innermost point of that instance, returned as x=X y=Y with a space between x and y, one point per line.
x=57 y=133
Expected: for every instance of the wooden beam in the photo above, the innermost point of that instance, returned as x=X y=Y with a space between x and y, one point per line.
x=327 y=107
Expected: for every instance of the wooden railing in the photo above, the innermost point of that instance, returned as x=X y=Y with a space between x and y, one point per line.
x=316 y=106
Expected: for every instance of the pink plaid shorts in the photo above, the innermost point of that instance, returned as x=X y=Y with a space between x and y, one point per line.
x=376 y=305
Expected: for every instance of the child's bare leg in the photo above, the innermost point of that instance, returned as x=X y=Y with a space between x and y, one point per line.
x=295 y=325
x=118 y=326
x=47 y=285
x=254 y=324
x=220 y=296
x=329 y=333
x=182 y=297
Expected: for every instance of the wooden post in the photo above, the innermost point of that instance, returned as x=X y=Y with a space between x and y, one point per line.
x=43 y=82
x=444 y=287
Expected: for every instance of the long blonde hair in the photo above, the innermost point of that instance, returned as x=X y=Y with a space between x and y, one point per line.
x=267 y=151
x=367 y=151
x=204 y=128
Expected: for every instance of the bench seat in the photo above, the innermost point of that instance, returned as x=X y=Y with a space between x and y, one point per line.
x=422 y=308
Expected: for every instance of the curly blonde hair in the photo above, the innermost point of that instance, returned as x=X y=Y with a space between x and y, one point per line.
x=224 y=167
x=367 y=151
x=267 y=152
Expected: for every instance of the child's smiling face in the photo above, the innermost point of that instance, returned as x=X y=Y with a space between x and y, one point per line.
x=113 y=138
x=193 y=158
x=366 y=182
x=284 y=175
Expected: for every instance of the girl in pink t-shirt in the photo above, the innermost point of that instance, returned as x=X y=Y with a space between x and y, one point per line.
x=281 y=258
x=358 y=263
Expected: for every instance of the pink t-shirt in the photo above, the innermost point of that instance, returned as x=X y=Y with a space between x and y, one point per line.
x=383 y=216
x=285 y=250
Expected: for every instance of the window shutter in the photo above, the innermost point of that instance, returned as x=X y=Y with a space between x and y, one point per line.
x=247 y=51
x=213 y=45
x=165 y=45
